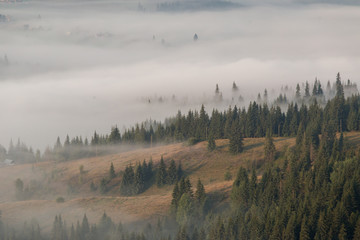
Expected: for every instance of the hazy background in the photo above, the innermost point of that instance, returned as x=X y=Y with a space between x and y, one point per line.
x=76 y=67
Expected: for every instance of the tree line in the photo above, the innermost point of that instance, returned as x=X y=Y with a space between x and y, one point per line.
x=251 y=122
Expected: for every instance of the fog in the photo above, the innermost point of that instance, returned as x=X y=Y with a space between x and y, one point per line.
x=72 y=68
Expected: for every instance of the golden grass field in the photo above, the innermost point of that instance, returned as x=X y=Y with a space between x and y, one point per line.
x=56 y=179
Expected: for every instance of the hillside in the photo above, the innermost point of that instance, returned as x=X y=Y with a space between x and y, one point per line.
x=50 y=180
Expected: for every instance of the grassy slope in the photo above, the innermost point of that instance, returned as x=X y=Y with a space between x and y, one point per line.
x=197 y=163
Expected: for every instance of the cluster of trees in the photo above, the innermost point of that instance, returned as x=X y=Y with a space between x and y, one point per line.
x=24 y=192
x=104 y=229
x=168 y=176
x=71 y=149
x=20 y=153
x=138 y=180
x=186 y=206
x=29 y=231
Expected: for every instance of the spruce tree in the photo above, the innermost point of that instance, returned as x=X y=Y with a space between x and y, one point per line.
x=234 y=87
x=297 y=94
x=307 y=89
x=103 y=186
x=161 y=176
x=269 y=148
x=236 y=140
x=128 y=181
x=115 y=136
x=357 y=230
x=112 y=173
x=139 y=180
x=188 y=187
x=200 y=194
x=179 y=172
x=211 y=143
x=175 y=197
x=172 y=173
x=85 y=228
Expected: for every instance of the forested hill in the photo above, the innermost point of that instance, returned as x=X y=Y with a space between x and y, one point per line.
x=308 y=114
x=307 y=189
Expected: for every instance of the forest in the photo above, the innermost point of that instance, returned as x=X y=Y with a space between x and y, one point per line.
x=313 y=194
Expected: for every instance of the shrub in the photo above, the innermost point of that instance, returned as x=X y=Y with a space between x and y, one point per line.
x=192 y=141
x=60 y=200
x=93 y=187
x=227 y=176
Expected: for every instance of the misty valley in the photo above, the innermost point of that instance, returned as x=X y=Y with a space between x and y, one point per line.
x=179 y=120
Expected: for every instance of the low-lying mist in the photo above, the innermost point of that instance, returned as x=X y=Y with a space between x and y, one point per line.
x=72 y=68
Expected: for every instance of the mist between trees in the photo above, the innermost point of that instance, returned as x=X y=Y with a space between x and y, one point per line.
x=338 y=103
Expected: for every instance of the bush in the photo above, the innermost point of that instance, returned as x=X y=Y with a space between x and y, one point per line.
x=192 y=141
x=60 y=200
x=93 y=187
x=227 y=176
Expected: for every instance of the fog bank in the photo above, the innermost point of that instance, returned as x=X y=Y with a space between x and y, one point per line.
x=72 y=68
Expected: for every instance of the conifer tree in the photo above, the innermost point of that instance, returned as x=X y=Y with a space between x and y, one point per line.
x=217 y=91
x=114 y=136
x=236 y=140
x=307 y=89
x=188 y=187
x=103 y=186
x=234 y=87
x=200 y=194
x=185 y=209
x=297 y=94
x=139 y=180
x=58 y=144
x=85 y=228
x=161 y=176
x=269 y=148
x=265 y=95
x=127 y=184
x=179 y=172
x=172 y=173
x=112 y=173
x=357 y=230
x=149 y=170
x=175 y=197
x=211 y=143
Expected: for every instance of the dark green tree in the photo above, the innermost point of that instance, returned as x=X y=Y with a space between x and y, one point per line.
x=114 y=137
x=112 y=173
x=139 y=180
x=269 y=148
x=179 y=172
x=236 y=140
x=103 y=186
x=172 y=173
x=161 y=176
x=211 y=143
x=200 y=194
